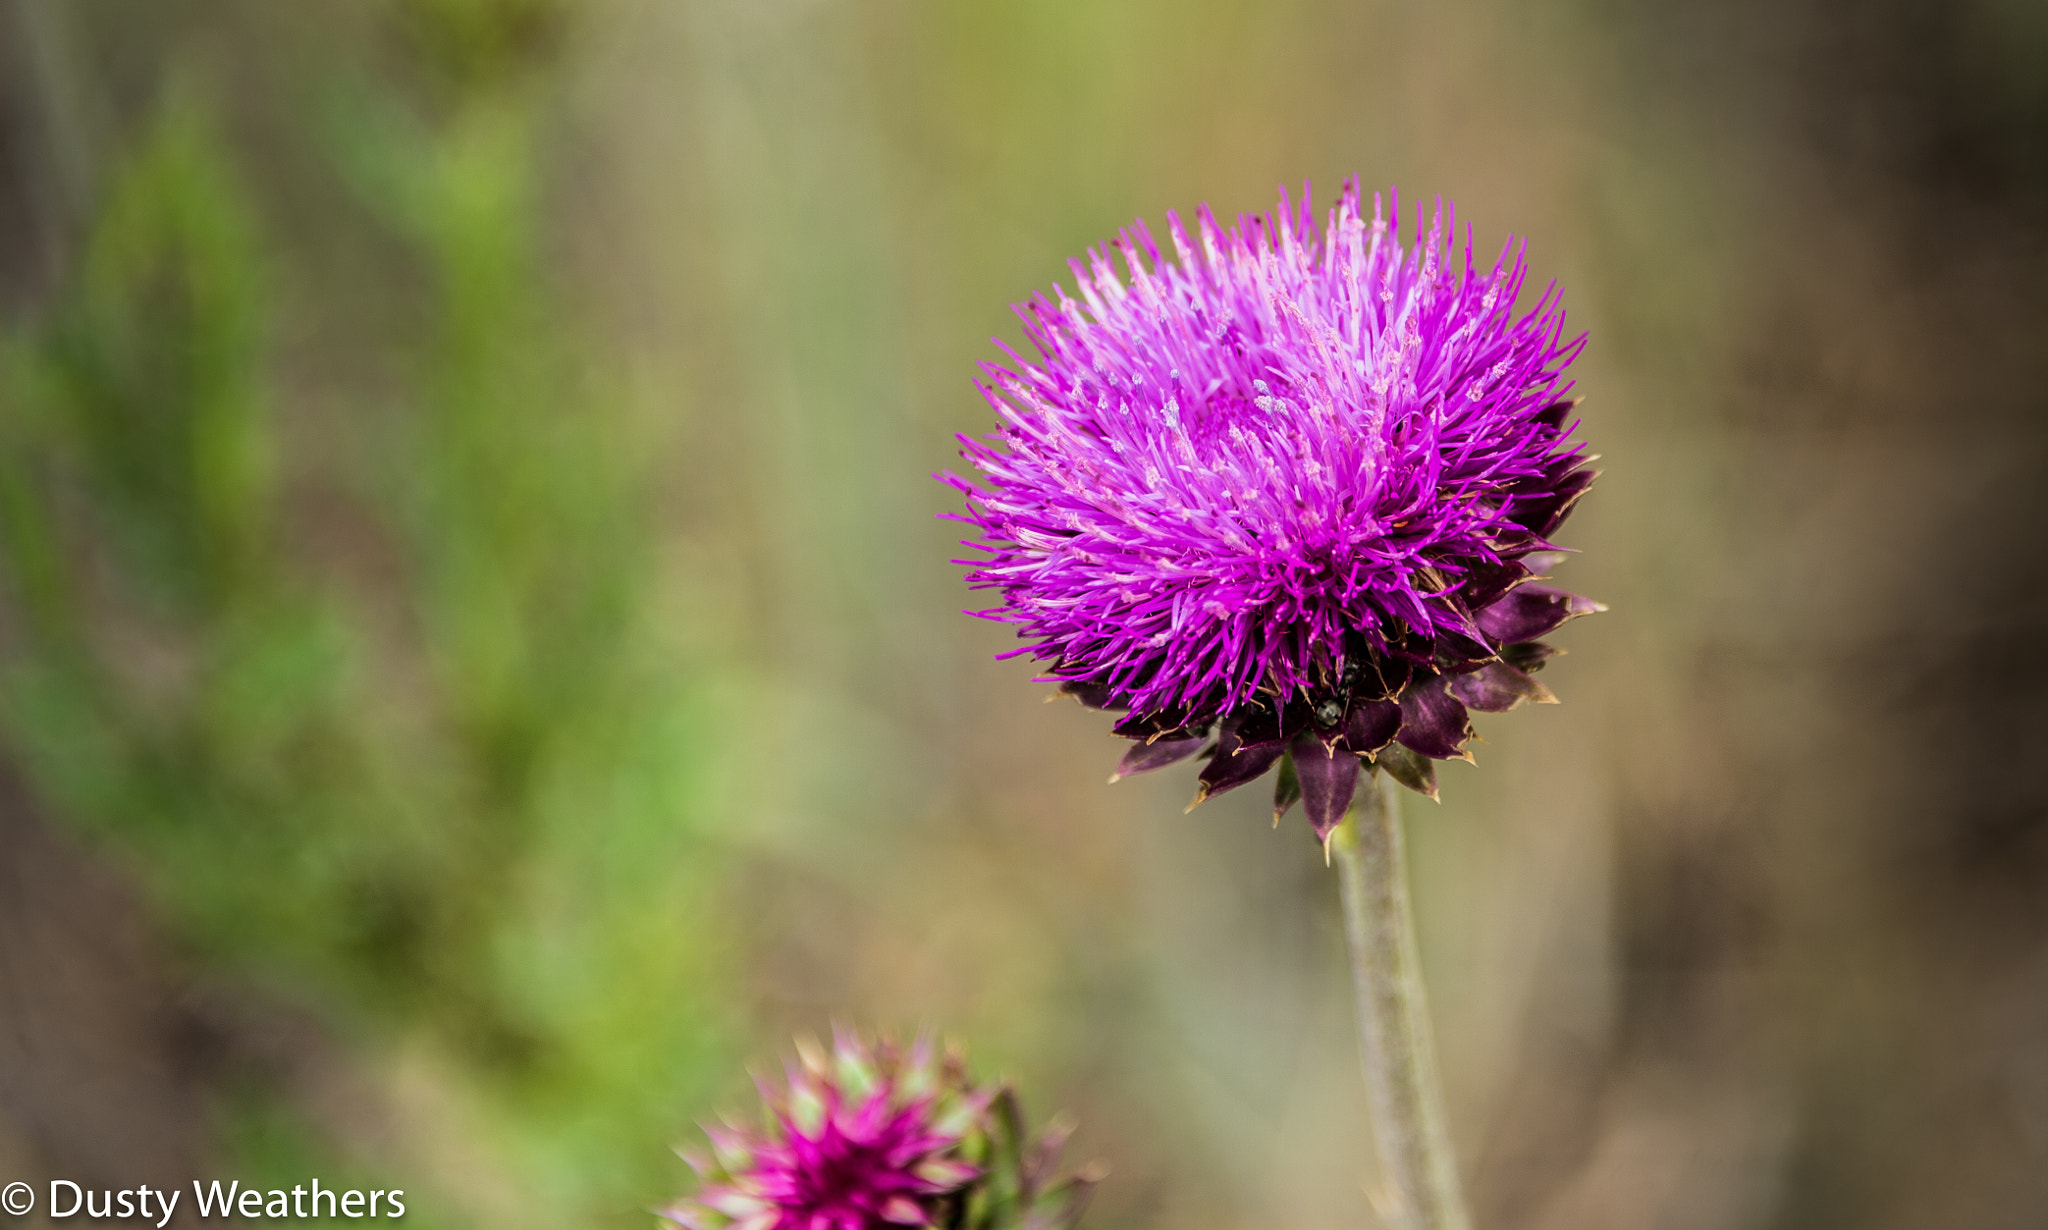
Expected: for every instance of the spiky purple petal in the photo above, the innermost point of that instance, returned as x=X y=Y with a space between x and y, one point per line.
x=1371 y=725
x=1532 y=611
x=1497 y=688
x=1328 y=777
x=1157 y=754
x=1432 y=721
x=1242 y=762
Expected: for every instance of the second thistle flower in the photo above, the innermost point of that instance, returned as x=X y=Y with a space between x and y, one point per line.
x=874 y=1137
x=1287 y=498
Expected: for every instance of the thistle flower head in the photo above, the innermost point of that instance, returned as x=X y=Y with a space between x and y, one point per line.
x=1286 y=494
x=874 y=1136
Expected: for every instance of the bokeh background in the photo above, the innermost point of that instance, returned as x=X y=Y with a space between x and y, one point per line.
x=479 y=667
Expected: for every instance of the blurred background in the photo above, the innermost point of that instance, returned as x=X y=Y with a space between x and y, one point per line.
x=479 y=667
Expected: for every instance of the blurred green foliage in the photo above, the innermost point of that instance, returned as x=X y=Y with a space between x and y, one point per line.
x=445 y=795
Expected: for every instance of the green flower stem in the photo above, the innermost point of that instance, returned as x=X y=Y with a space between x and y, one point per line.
x=1406 y=1099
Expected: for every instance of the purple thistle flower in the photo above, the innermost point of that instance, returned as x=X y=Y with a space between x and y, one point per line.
x=873 y=1137
x=1285 y=498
